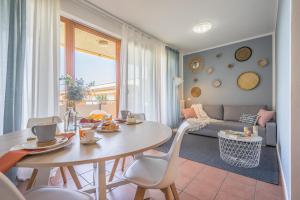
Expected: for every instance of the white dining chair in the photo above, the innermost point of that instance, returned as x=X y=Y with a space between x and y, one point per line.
x=54 y=119
x=157 y=172
x=139 y=116
x=8 y=191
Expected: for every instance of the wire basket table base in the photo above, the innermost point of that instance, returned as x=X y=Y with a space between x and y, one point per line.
x=240 y=152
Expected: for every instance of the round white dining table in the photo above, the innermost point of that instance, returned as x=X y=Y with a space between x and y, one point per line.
x=130 y=140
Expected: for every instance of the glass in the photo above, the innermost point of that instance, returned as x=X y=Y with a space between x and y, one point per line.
x=255 y=131
x=70 y=120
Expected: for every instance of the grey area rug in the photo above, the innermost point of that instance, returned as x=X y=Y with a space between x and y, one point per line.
x=206 y=150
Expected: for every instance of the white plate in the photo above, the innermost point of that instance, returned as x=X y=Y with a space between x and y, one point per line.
x=93 y=141
x=19 y=147
x=132 y=123
x=108 y=131
x=32 y=144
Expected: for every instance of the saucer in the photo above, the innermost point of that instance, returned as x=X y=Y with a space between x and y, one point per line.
x=42 y=151
x=93 y=141
x=132 y=123
x=108 y=131
x=33 y=144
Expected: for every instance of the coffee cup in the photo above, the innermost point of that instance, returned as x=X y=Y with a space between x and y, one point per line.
x=44 y=132
x=131 y=119
x=89 y=135
x=124 y=114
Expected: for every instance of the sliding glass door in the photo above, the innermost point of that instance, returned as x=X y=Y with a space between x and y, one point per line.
x=94 y=57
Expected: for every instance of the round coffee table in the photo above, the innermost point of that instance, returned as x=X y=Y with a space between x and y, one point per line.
x=240 y=151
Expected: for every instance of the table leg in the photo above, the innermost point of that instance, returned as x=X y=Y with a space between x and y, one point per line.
x=42 y=177
x=101 y=193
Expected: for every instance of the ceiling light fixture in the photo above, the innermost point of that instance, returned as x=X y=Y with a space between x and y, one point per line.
x=202 y=27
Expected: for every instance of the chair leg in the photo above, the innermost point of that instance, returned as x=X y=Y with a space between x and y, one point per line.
x=168 y=193
x=123 y=164
x=140 y=193
x=63 y=175
x=94 y=173
x=174 y=191
x=74 y=177
x=32 y=179
x=113 y=171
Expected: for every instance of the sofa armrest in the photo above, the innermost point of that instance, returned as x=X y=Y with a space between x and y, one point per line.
x=271 y=135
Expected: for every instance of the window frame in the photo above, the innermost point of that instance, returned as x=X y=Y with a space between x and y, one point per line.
x=70 y=26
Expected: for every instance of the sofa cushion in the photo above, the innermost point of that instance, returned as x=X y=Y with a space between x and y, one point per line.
x=265 y=116
x=248 y=119
x=233 y=113
x=214 y=111
x=188 y=113
x=226 y=125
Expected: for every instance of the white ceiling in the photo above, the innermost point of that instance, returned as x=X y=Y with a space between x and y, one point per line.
x=172 y=20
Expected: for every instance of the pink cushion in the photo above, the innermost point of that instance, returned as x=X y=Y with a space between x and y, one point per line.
x=189 y=113
x=264 y=117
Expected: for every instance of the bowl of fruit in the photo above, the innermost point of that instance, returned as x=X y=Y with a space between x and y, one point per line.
x=89 y=123
x=94 y=119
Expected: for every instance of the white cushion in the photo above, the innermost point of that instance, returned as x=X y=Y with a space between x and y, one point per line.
x=146 y=171
x=53 y=193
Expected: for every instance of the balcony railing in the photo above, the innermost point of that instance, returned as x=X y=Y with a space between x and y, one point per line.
x=85 y=107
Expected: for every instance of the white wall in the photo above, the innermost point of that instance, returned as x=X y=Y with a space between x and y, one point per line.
x=81 y=12
x=283 y=89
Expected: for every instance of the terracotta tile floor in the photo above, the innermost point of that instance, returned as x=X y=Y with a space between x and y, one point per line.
x=195 y=181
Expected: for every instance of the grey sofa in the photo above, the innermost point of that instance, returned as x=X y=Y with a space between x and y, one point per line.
x=229 y=116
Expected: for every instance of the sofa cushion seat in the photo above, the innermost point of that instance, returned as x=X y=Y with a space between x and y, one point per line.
x=213 y=128
x=226 y=125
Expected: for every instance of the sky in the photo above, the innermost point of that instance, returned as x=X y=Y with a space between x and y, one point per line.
x=91 y=68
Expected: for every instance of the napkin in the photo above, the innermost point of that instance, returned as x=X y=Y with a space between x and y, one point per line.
x=9 y=159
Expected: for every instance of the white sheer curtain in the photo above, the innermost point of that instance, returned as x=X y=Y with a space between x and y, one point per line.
x=42 y=59
x=41 y=82
x=142 y=61
x=4 y=30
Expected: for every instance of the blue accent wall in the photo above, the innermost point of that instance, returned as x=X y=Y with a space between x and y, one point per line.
x=229 y=93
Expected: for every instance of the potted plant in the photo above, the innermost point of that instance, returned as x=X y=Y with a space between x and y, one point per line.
x=75 y=91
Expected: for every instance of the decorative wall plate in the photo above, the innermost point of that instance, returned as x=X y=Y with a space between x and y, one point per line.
x=248 y=80
x=216 y=83
x=262 y=62
x=195 y=92
x=196 y=64
x=210 y=70
x=242 y=54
